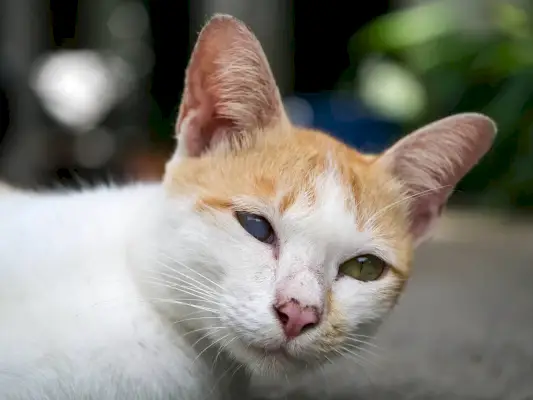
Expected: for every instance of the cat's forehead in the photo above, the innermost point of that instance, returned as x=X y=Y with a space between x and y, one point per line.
x=301 y=171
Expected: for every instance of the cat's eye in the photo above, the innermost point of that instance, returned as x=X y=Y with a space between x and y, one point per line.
x=256 y=226
x=364 y=268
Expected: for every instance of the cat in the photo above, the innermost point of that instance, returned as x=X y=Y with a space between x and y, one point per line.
x=266 y=251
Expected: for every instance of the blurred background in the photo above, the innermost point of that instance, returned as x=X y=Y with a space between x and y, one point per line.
x=89 y=91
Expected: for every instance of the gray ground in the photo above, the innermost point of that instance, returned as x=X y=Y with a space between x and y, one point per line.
x=463 y=329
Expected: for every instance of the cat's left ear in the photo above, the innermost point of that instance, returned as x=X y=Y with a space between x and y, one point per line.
x=432 y=160
x=230 y=92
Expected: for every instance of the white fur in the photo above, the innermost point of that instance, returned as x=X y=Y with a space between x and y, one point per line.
x=98 y=290
x=73 y=322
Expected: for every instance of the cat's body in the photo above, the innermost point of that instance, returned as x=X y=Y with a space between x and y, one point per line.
x=267 y=249
x=74 y=322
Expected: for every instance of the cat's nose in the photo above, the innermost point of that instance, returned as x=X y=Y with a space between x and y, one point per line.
x=295 y=319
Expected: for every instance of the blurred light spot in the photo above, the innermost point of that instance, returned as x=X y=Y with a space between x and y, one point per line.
x=94 y=149
x=391 y=90
x=299 y=111
x=128 y=21
x=78 y=88
x=512 y=19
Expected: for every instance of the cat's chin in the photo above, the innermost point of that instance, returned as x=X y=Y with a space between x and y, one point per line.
x=272 y=361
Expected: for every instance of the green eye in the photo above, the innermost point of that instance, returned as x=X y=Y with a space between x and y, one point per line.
x=364 y=268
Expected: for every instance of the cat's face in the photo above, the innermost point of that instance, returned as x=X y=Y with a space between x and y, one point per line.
x=294 y=232
x=288 y=247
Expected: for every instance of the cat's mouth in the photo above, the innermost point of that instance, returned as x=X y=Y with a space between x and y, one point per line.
x=270 y=350
x=279 y=353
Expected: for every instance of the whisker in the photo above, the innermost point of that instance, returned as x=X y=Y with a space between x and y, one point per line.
x=221 y=349
x=174 y=286
x=192 y=270
x=357 y=356
x=239 y=366
x=172 y=301
x=362 y=342
x=398 y=202
x=175 y=271
x=201 y=338
x=193 y=319
x=209 y=329
x=208 y=347
x=361 y=348
x=152 y=301
x=180 y=289
x=177 y=279
x=358 y=335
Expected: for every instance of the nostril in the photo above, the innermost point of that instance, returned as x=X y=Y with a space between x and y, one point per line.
x=283 y=318
x=308 y=326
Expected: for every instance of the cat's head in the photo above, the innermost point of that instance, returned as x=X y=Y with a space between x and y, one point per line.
x=286 y=247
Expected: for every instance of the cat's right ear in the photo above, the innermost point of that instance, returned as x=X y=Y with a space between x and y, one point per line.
x=230 y=92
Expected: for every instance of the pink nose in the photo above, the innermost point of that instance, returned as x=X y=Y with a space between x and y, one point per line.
x=295 y=319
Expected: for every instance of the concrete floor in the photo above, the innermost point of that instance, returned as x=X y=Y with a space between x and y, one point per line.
x=464 y=328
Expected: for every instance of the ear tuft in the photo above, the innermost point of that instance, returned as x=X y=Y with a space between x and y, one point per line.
x=432 y=160
x=229 y=89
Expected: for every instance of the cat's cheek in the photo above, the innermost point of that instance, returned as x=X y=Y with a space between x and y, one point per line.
x=355 y=303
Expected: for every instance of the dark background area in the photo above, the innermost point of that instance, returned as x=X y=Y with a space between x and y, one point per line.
x=319 y=42
x=368 y=74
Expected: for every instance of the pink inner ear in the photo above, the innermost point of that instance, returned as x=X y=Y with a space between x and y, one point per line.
x=229 y=87
x=431 y=161
x=198 y=117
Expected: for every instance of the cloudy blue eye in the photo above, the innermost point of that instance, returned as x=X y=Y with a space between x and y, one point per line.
x=256 y=226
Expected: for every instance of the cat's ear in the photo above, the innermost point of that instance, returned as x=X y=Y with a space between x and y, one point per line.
x=432 y=160
x=230 y=92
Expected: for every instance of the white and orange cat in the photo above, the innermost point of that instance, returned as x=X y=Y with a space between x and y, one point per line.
x=267 y=249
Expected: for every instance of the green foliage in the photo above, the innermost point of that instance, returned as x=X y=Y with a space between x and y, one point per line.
x=486 y=67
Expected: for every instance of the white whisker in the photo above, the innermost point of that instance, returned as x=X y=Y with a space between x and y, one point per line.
x=209 y=329
x=357 y=356
x=181 y=289
x=192 y=270
x=362 y=342
x=175 y=271
x=191 y=284
x=359 y=347
x=172 y=301
x=209 y=346
x=193 y=319
x=380 y=212
x=221 y=349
